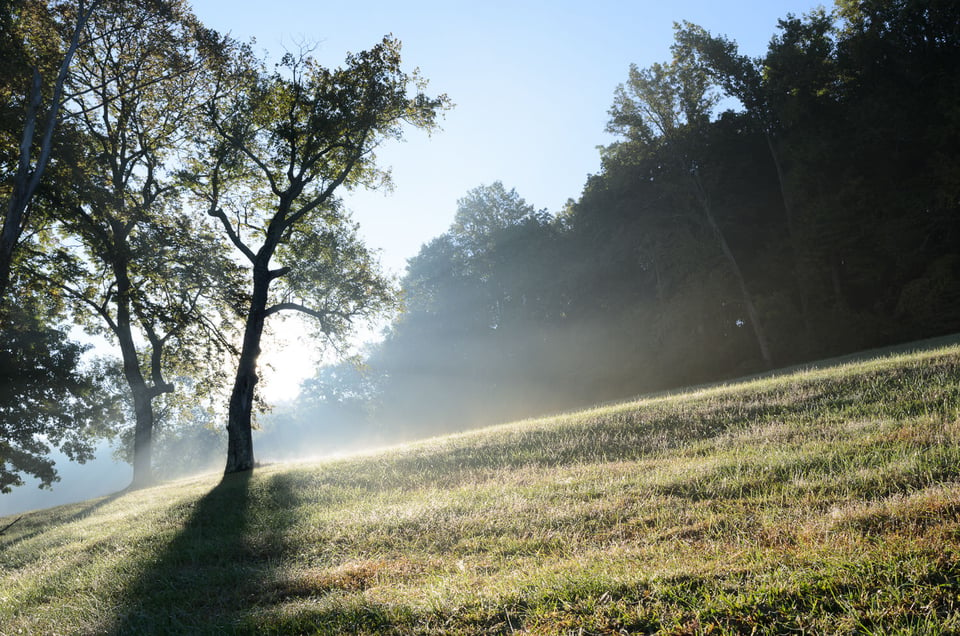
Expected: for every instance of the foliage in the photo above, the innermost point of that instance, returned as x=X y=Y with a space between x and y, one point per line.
x=280 y=148
x=47 y=400
x=29 y=33
x=134 y=266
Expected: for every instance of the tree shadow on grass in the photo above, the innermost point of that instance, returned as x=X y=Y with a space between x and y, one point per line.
x=208 y=576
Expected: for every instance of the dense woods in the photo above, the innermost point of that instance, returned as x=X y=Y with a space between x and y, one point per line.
x=163 y=189
x=753 y=213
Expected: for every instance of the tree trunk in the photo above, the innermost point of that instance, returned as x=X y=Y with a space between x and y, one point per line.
x=142 y=439
x=752 y=314
x=27 y=177
x=8 y=241
x=792 y=238
x=142 y=406
x=239 y=429
x=142 y=394
x=24 y=183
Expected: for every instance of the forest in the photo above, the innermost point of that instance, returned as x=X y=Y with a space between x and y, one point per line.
x=165 y=189
x=754 y=213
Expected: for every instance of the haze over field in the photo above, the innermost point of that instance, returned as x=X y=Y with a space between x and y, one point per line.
x=824 y=501
x=532 y=84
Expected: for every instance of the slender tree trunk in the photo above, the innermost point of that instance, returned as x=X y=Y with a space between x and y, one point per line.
x=239 y=430
x=836 y=281
x=23 y=187
x=142 y=393
x=792 y=239
x=752 y=313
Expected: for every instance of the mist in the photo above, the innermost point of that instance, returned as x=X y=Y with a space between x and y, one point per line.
x=103 y=475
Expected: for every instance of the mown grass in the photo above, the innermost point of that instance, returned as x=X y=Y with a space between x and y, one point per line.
x=826 y=501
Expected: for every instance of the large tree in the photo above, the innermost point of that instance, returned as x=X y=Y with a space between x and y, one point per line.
x=667 y=107
x=280 y=151
x=781 y=93
x=141 y=270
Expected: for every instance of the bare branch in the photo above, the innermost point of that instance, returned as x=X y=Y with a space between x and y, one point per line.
x=322 y=316
x=218 y=213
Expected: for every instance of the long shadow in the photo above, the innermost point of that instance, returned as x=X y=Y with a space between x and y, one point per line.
x=204 y=579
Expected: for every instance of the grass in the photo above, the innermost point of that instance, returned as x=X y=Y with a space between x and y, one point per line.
x=822 y=502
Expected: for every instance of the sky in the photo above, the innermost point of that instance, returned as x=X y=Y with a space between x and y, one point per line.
x=531 y=82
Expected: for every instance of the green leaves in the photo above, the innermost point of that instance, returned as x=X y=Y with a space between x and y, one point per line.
x=332 y=276
x=47 y=400
x=283 y=146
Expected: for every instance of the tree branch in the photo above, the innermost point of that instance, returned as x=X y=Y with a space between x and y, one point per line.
x=322 y=316
x=218 y=213
x=277 y=273
x=10 y=525
x=331 y=187
x=46 y=144
x=242 y=147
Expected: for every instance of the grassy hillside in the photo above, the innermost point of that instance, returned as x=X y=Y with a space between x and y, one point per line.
x=827 y=501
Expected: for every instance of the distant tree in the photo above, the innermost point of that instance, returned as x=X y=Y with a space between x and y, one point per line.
x=466 y=337
x=334 y=412
x=816 y=216
x=483 y=212
x=280 y=149
x=45 y=401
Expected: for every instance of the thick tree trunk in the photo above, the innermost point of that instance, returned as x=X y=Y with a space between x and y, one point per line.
x=142 y=406
x=8 y=241
x=142 y=439
x=239 y=429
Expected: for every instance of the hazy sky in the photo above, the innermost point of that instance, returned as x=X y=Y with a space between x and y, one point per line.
x=531 y=80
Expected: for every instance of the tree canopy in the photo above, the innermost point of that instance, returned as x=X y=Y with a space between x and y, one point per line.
x=176 y=146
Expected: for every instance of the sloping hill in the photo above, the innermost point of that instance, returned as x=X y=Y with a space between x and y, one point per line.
x=827 y=501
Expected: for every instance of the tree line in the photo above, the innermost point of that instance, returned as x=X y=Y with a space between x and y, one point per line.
x=754 y=212
x=167 y=189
